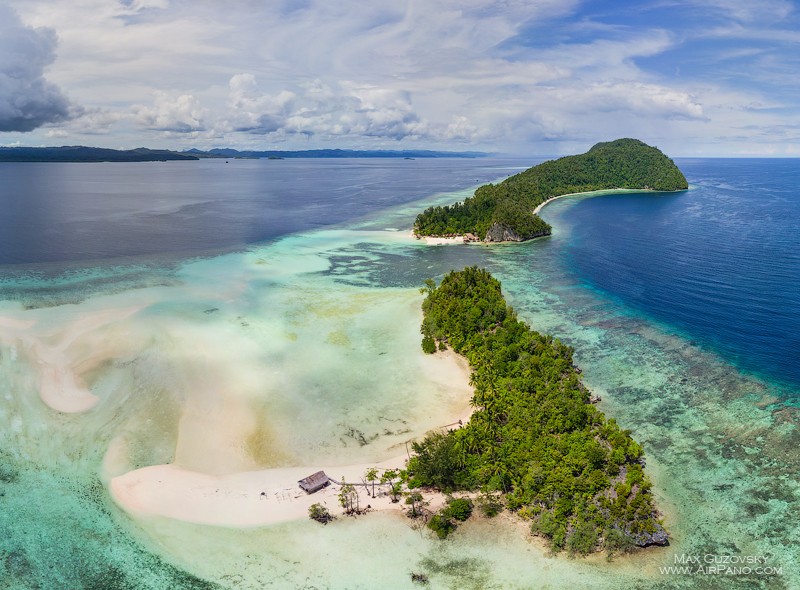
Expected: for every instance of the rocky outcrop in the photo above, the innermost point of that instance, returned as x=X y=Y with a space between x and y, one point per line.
x=658 y=536
x=502 y=233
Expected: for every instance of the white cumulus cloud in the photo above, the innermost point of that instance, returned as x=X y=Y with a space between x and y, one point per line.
x=354 y=109
x=181 y=115
x=646 y=100
x=253 y=111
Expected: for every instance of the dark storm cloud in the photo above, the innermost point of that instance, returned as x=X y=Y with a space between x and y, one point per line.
x=27 y=100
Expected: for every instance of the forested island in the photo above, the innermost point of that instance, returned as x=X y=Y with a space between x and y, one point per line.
x=331 y=153
x=79 y=153
x=535 y=439
x=504 y=211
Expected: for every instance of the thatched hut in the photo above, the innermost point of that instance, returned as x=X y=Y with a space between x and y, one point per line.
x=314 y=482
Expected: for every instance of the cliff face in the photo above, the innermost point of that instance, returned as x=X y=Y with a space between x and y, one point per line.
x=658 y=537
x=502 y=233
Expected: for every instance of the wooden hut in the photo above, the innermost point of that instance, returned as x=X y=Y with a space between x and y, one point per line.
x=314 y=482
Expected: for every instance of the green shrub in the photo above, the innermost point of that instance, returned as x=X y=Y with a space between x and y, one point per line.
x=491 y=504
x=617 y=542
x=437 y=461
x=417 y=503
x=441 y=525
x=428 y=345
x=458 y=508
x=583 y=539
x=545 y=525
x=319 y=513
x=559 y=539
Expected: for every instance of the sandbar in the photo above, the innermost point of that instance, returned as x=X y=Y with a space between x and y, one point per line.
x=15 y=324
x=246 y=499
x=261 y=497
x=438 y=241
x=60 y=386
x=443 y=241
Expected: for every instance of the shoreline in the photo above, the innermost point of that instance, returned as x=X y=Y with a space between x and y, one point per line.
x=431 y=241
x=241 y=500
x=609 y=191
x=249 y=499
x=436 y=241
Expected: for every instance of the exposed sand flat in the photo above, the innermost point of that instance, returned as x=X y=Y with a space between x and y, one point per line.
x=15 y=324
x=209 y=484
x=60 y=386
x=257 y=498
x=247 y=499
x=439 y=241
x=444 y=241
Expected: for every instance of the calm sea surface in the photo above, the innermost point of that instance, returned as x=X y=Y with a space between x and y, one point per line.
x=53 y=212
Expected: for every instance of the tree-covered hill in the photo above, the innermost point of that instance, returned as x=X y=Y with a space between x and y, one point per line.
x=534 y=436
x=624 y=163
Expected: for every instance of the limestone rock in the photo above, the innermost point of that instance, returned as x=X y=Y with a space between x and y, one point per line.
x=502 y=233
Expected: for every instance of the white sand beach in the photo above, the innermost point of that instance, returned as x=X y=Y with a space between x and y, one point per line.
x=444 y=241
x=248 y=499
x=198 y=488
x=438 y=241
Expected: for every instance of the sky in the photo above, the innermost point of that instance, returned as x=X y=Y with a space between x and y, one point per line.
x=518 y=77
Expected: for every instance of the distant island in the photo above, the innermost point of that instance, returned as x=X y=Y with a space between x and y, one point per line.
x=506 y=211
x=328 y=153
x=78 y=153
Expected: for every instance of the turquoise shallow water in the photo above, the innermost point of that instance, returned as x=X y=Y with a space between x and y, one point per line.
x=321 y=328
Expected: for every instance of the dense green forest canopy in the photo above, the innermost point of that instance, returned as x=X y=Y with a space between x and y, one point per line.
x=534 y=435
x=624 y=163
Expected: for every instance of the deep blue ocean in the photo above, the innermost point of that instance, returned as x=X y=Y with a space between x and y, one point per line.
x=720 y=262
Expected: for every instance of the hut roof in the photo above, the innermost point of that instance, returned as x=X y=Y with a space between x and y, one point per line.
x=314 y=482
